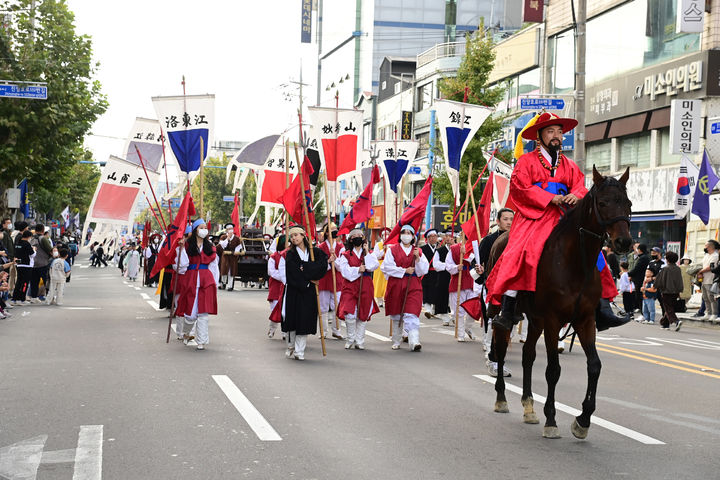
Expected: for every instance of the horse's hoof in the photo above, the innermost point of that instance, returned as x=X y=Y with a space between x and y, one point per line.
x=551 y=432
x=578 y=431
x=530 y=418
x=529 y=413
x=501 y=407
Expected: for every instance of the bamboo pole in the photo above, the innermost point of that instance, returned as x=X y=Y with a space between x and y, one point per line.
x=477 y=223
x=287 y=185
x=202 y=175
x=332 y=252
x=462 y=254
x=312 y=251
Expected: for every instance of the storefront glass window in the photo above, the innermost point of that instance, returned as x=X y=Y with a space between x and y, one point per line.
x=598 y=154
x=635 y=151
x=424 y=96
x=563 y=62
x=667 y=158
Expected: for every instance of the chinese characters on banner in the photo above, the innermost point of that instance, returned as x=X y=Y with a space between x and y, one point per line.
x=458 y=122
x=501 y=186
x=533 y=11
x=306 y=18
x=185 y=120
x=690 y=15
x=395 y=157
x=147 y=136
x=340 y=133
x=406 y=125
x=271 y=178
x=685 y=125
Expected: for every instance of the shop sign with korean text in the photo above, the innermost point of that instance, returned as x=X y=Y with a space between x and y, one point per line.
x=685 y=125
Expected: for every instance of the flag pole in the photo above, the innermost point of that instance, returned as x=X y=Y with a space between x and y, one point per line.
x=462 y=253
x=167 y=182
x=154 y=214
x=152 y=190
x=202 y=174
x=287 y=184
x=312 y=249
x=332 y=252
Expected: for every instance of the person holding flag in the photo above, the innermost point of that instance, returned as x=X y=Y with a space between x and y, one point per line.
x=332 y=249
x=404 y=265
x=197 y=289
x=453 y=263
x=357 y=304
x=229 y=248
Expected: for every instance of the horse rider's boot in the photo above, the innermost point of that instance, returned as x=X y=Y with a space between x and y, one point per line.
x=506 y=319
x=605 y=317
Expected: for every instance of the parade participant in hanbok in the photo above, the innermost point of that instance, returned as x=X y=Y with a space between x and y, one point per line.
x=327 y=305
x=379 y=279
x=543 y=183
x=458 y=257
x=357 y=303
x=429 y=281
x=132 y=263
x=276 y=282
x=197 y=285
x=442 y=294
x=403 y=266
x=168 y=294
x=300 y=311
x=150 y=254
x=230 y=248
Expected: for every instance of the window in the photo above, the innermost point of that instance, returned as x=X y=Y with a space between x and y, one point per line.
x=635 y=151
x=599 y=154
x=664 y=155
x=384 y=85
x=424 y=96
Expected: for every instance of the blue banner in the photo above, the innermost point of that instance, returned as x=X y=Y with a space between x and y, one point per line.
x=707 y=179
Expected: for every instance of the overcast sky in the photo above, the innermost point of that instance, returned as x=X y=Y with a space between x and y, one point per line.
x=242 y=51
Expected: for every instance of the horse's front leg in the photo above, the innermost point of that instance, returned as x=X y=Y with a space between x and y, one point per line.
x=552 y=375
x=528 y=359
x=581 y=425
x=498 y=350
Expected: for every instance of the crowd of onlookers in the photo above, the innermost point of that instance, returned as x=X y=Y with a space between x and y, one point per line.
x=646 y=278
x=34 y=267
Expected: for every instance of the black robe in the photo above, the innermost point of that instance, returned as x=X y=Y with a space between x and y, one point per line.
x=301 y=310
x=430 y=279
x=442 y=296
x=150 y=263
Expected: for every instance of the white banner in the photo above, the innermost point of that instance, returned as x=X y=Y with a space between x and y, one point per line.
x=186 y=120
x=458 y=122
x=685 y=123
x=395 y=157
x=146 y=135
x=271 y=180
x=340 y=134
x=690 y=14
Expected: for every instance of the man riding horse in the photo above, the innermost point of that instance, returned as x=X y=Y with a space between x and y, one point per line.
x=543 y=185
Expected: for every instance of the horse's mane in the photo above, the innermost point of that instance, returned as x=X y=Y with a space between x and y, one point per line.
x=574 y=216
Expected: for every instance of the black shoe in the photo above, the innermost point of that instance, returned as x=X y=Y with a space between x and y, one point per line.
x=221 y=287
x=507 y=318
x=605 y=317
x=230 y=289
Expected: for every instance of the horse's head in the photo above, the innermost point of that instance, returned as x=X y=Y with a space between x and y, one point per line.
x=612 y=208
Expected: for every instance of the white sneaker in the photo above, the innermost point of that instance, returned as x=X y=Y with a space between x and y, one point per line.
x=461 y=339
x=289 y=352
x=200 y=347
x=492 y=368
x=299 y=356
x=506 y=372
x=395 y=347
x=348 y=345
x=712 y=318
x=359 y=346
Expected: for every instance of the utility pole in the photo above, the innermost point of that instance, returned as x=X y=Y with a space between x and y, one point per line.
x=580 y=38
x=319 y=45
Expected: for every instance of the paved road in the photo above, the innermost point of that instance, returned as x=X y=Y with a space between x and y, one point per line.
x=91 y=387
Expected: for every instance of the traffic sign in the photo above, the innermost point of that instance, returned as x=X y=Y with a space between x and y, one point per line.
x=415 y=170
x=540 y=103
x=11 y=90
x=715 y=127
x=228 y=198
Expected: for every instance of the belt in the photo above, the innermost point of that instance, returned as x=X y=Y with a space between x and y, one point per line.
x=409 y=275
x=367 y=274
x=195 y=266
x=556 y=188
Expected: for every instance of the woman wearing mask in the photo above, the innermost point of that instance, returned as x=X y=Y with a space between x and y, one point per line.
x=357 y=303
x=332 y=249
x=403 y=266
x=276 y=283
x=300 y=311
x=197 y=285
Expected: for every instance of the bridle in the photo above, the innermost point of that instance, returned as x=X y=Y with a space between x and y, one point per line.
x=602 y=222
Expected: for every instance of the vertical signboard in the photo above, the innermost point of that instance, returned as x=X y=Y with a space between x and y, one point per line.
x=406 y=126
x=533 y=11
x=306 y=25
x=690 y=16
x=685 y=126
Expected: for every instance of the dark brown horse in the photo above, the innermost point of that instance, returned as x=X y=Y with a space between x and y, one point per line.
x=568 y=290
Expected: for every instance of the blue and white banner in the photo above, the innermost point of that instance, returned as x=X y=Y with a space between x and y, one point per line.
x=395 y=158
x=186 y=120
x=458 y=122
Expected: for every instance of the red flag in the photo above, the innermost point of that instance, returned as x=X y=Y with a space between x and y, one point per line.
x=414 y=213
x=361 y=211
x=146 y=234
x=175 y=232
x=483 y=216
x=293 y=198
x=235 y=216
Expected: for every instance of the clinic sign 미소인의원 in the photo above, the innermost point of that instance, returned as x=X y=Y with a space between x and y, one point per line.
x=685 y=124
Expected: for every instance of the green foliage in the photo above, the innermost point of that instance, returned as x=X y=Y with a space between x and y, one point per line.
x=472 y=77
x=74 y=186
x=42 y=139
x=214 y=190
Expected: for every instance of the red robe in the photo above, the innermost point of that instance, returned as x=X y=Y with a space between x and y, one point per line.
x=350 y=292
x=396 y=287
x=535 y=217
x=326 y=283
x=187 y=285
x=275 y=287
x=467 y=281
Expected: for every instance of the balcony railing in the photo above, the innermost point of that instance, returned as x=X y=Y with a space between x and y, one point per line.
x=441 y=50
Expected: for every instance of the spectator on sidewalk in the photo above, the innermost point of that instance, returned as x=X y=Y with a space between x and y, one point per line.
x=43 y=255
x=626 y=288
x=649 y=295
x=669 y=281
x=637 y=274
x=613 y=262
x=687 y=284
x=24 y=255
x=710 y=261
x=59 y=271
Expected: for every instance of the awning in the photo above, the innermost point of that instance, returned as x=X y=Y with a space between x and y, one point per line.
x=653 y=217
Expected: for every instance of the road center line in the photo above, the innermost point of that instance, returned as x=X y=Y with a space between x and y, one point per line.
x=88 y=455
x=642 y=438
x=252 y=416
x=662 y=364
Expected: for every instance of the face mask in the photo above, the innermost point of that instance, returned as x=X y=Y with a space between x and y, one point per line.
x=55 y=254
x=705 y=250
x=357 y=241
x=334 y=234
x=202 y=232
x=406 y=239
x=229 y=231
x=156 y=242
